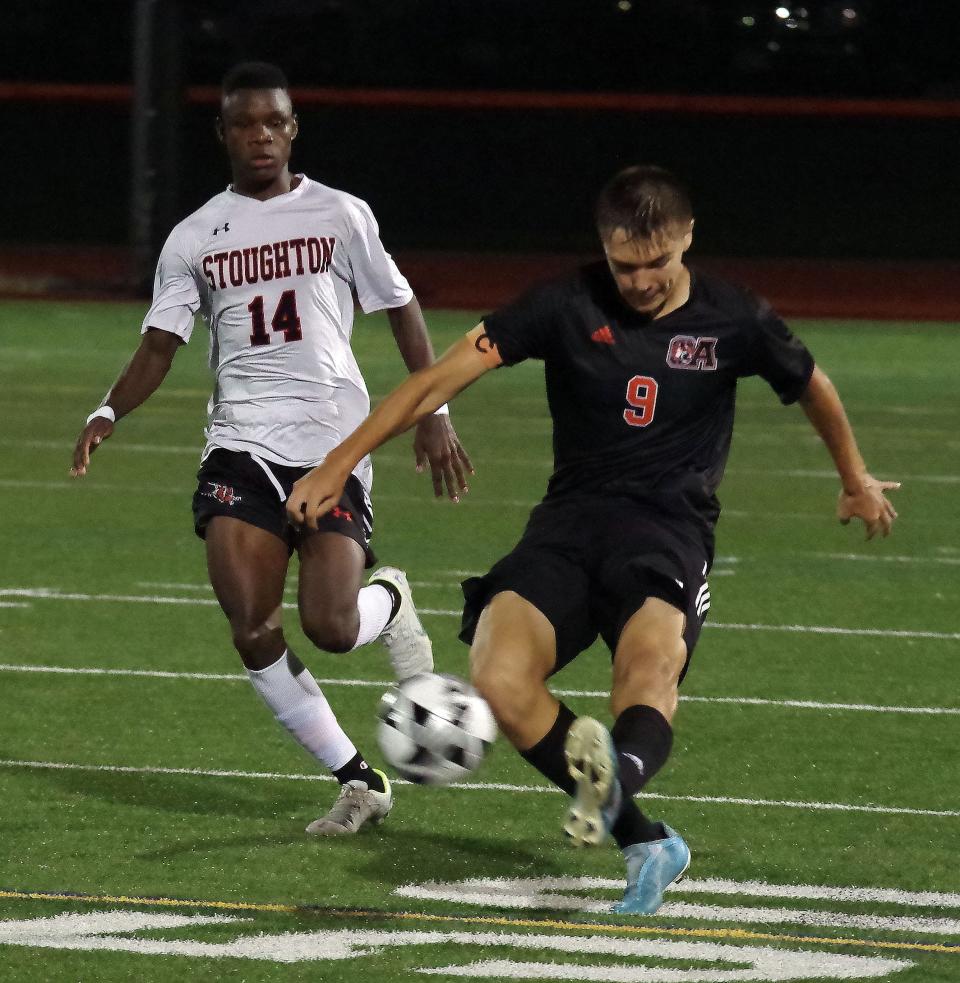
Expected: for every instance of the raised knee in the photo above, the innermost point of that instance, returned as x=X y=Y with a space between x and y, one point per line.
x=332 y=633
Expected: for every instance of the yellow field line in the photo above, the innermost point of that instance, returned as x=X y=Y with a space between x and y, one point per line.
x=701 y=933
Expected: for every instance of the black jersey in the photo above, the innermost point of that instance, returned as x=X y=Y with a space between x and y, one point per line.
x=645 y=407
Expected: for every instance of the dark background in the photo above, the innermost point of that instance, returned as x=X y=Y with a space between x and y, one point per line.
x=521 y=179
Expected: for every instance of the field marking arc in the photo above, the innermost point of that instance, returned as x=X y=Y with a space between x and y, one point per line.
x=606 y=928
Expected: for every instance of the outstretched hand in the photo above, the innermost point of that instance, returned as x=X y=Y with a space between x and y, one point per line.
x=870 y=504
x=437 y=445
x=92 y=435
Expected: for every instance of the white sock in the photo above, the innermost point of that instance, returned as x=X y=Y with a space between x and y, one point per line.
x=299 y=704
x=375 y=603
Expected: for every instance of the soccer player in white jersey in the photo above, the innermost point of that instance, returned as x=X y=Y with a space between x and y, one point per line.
x=273 y=266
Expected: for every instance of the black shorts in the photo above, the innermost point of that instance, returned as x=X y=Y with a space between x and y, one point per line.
x=255 y=491
x=589 y=562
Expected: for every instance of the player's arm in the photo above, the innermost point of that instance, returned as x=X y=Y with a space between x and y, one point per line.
x=415 y=398
x=435 y=444
x=138 y=380
x=861 y=495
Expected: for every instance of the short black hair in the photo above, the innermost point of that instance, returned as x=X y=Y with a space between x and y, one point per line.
x=254 y=75
x=645 y=201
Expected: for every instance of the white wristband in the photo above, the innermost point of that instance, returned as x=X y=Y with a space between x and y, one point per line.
x=442 y=410
x=105 y=411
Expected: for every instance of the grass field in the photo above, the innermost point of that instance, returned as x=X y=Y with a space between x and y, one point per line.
x=815 y=768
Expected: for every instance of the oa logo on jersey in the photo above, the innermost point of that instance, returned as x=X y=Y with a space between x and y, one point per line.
x=687 y=352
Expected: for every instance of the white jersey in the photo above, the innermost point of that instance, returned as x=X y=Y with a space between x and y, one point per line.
x=275 y=283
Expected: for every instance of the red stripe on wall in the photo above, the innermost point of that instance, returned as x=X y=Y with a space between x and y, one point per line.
x=783 y=106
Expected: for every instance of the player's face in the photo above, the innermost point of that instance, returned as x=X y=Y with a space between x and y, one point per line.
x=257 y=126
x=647 y=272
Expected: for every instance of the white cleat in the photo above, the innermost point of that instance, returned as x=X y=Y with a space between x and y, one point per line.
x=592 y=764
x=408 y=644
x=356 y=805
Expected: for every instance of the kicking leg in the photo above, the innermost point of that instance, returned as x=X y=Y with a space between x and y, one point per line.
x=513 y=653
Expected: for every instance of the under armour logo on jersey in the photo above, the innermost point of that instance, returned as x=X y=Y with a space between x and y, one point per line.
x=603 y=336
x=687 y=352
x=218 y=229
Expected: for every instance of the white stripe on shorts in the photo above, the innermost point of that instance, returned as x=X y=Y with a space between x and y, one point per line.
x=271 y=477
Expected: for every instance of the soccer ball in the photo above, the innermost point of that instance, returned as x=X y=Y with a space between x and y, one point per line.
x=434 y=729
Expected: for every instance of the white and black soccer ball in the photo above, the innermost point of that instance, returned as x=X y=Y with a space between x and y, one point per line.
x=434 y=729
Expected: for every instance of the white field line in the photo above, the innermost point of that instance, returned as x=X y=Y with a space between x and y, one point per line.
x=809 y=704
x=15 y=604
x=937 y=479
x=490 y=787
x=939 y=412
x=383 y=684
x=831 y=630
x=53 y=594
x=170 y=585
x=291 y=588
x=523 y=892
x=176 y=392
x=466 y=893
x=529 y=462
x=881 y=558
x=61 y=445
x=814 y=892
x=181 y=392
x=822 y=517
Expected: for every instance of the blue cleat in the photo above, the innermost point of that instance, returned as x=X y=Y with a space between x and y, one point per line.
x=651 y=868
x=592 y=764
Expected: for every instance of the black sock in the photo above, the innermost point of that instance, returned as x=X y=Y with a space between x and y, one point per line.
x=632 y=826
x=547 y=754
x=643 y=738
x=356 y=769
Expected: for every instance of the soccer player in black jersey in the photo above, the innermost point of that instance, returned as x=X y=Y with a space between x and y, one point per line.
x=642 y=357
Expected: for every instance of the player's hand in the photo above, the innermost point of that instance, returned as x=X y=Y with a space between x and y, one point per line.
x=436 y=445
x=91 y=437
x=869 y=503
x=314 y=495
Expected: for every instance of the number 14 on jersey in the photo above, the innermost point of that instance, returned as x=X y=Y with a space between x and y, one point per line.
x=285 y=319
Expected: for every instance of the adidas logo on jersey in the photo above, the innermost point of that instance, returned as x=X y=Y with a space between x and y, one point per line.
x=603 y=336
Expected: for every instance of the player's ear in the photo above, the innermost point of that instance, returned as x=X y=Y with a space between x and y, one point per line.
x=688 y=238
x=296 y=127
x=218 y=128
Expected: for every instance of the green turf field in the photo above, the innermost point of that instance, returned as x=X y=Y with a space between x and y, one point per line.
x=815 y=768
